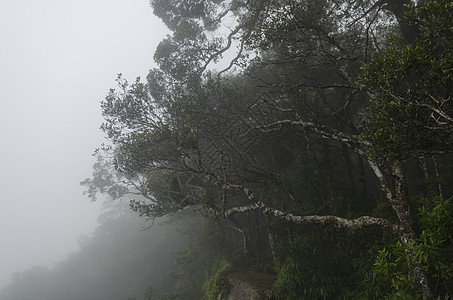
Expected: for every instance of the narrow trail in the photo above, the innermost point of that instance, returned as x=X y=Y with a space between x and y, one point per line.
x=247 y=283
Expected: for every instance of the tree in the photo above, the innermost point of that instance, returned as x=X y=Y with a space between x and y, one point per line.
x=204 y=133
x=411 y=111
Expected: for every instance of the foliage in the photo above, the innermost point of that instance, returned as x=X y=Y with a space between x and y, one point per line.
x=322 y=264
x=435 y=253
x=208 y=246
x=281 y=135
x=217 y=285
x=148 y=293
x=411 y=110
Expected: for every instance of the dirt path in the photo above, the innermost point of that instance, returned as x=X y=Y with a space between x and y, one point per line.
x=248 y=282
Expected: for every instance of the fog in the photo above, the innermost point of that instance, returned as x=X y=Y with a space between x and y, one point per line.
x=58 y=59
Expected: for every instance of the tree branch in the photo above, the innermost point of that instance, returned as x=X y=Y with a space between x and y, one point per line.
x=348 y=139
x=352 y=225
x=221 y=51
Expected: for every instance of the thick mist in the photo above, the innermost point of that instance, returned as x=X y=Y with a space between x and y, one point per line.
x=117 y=261
x=58 y=60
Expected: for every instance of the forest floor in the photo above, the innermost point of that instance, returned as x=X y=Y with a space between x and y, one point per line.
x=248 y=283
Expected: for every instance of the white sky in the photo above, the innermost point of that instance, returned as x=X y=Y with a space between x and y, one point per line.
x=58 y=58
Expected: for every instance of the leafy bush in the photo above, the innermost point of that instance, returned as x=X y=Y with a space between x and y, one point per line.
x=390 y=276
x=217 y=285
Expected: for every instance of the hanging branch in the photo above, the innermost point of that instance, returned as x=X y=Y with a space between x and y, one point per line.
x=352 y=225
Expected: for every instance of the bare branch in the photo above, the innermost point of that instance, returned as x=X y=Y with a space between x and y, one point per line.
x=235 y=59
x=348 y=139
x=223 y=50
x=352 y=225
x=244 y=238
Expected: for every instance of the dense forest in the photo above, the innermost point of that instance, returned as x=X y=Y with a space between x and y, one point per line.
x=310 y=140
x=324 y=141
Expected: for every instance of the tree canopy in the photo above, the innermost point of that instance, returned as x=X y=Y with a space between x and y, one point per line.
x=324 y=115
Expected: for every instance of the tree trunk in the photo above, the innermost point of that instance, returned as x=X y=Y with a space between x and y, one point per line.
x=398 y=7
x=436 y=170
x=400 y=205
x=399 y=200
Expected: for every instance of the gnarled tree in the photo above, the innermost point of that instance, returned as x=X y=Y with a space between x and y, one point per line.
x=191 y=136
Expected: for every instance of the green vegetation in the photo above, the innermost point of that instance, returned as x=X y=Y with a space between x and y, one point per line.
x=410 y=113
x=320 y=153
x=309 y=151
x=390 y=271
x=217 y=285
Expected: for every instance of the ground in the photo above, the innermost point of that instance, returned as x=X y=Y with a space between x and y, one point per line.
x=248 y=283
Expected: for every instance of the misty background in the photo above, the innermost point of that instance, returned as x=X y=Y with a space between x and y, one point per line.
x=58 y=59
